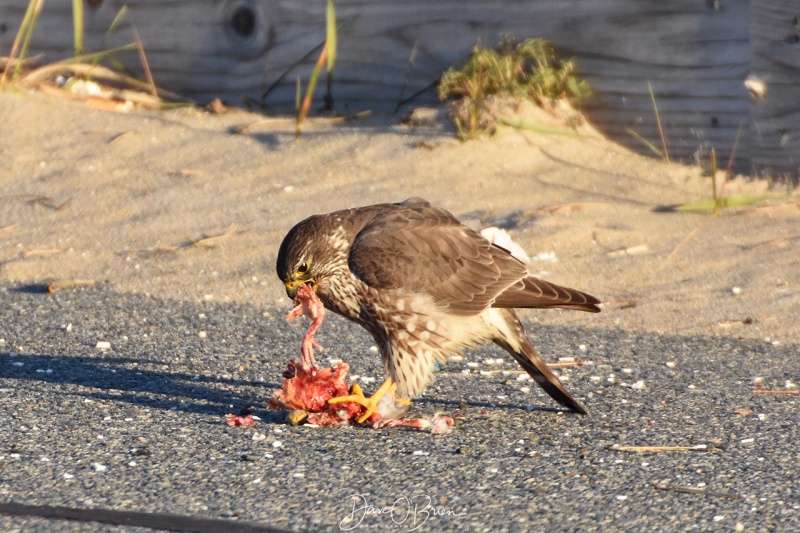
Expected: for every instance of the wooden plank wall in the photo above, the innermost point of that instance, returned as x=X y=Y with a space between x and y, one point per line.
x=775 y=116
x=696 y=53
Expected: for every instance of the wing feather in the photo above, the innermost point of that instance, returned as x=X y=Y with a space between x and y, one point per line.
x=417 y=248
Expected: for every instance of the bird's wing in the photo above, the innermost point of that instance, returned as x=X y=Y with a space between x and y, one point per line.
x=535 y=292
x=421 y=249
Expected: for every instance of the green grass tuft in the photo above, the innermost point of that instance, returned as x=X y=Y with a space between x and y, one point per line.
x=526 y=71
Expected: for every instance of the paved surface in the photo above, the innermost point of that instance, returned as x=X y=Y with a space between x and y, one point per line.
x=141 y=427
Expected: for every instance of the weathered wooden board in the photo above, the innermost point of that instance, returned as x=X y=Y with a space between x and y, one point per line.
x=695 y=53
x=775 y=118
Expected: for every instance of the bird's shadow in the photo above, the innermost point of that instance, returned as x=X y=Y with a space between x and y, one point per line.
x=111 y=379
x=510 y=220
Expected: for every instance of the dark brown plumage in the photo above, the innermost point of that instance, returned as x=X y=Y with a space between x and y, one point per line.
x=425 y=286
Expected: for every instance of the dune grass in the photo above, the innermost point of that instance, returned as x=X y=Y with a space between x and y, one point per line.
x=84 y=66
x=528 y=70
x=327 y=58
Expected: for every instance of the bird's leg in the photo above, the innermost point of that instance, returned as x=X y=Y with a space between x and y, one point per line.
x=307 y=303
x=370 y=404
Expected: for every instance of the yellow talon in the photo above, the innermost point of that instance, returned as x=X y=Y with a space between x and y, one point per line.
x=371 y=403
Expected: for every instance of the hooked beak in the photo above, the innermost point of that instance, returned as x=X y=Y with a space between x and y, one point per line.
x=294 y=284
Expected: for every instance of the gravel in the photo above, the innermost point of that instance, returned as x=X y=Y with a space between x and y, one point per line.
x=118 y=402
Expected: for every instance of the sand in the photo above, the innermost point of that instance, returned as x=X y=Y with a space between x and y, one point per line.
x=128 y=199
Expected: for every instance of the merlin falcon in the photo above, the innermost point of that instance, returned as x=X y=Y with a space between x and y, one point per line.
x=425 y=287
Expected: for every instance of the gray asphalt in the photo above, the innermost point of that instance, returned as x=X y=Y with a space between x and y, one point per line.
x=141 y=427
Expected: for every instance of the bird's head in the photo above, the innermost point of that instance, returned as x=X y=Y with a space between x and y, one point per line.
x=306 y=255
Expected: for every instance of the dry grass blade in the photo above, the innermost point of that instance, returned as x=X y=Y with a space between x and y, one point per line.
x=566 y=364
x=41 y=252
x=351 y=117
x=19 y=49
x=119 y=136
x=211 y=241
x=66 y=284
x=619 y=304
x=145 y=65
x=638 y=249
x=331 y=41
x=690 y=235
x=732 y=323
x=27 y=63
x=326 y=57
x=697 y=490
x=305 y=106
x=286 y=72
x=658 y=122
x=269 y=122
x=563 y=208
x=648 y=449
x=206 y=241
x=192 y=172
x=652 y=147
x=114 y=87
x=46 y=201
x=791 y=392
x=8 y=228
x=411 y=59
x=780 y=242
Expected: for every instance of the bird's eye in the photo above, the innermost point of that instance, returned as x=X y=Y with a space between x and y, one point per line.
x=303 y=268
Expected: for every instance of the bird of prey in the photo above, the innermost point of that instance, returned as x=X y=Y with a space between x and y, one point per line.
x=425 y=286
